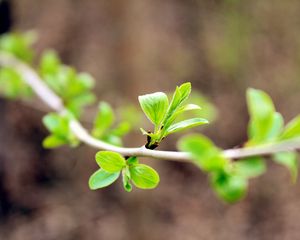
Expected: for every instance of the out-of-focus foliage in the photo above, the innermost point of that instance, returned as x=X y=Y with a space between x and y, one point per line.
x=74 y=88
x=230 y=179
x=19 y=45
x=12 y=84
x=104 y=128
x=59 y=127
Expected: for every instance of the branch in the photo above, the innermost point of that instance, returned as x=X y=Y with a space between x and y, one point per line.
x=56 y=103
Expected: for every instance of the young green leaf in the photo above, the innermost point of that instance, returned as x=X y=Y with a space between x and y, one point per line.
x=289 y=160
x=230 y=188
x=292 y=129
x=55 y=124
x=126 y=180
x=260 y=104
x=154 y=106
x=250 y=167
x=18 y=45
x=132 y=161
x=50 y=63
x=110 y=161
x=186 y=124
x=265 y=124
x=12 y=84
x=104 y=119
x=122 y=129
x=101 y=179
x=204 y=153
x=143 y=176
x=179 y=97
x=54 y=141
x=189 y=107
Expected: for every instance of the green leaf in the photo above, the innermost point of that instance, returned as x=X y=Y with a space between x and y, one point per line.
x=186 y=124
x=260 y=104
x=101 y=179
x=12 y=84
x=54 y=141
x=292 y=129
x=56 y=124
x=85 y=81
x=122 y=129
x=230 y=188
x=18 y=45
x=265 y=124
x=179 y=97
x=104 y=119
x=50 y=63
x=204 y=153
x=126 y=180
x=110 y=161
x=154 y=106
x=250 y=167
x=289 y=160
x=132 y=161
x=188 y=107
x=143 y=176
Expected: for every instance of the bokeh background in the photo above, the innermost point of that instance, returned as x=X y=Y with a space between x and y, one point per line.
x=136 y=47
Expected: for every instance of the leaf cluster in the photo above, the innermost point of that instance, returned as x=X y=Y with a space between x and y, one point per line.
x=163 y=113
x=74 y=88
x=12 y=84
x=59 y=127
x=112 y=165
x=104 y=127
x=266 y=126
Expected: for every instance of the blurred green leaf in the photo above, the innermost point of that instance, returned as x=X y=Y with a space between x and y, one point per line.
x=12 y=84
x=110 y=161
x=230 y=188
x=50 y=63
x=54 y=141
x=154 y=106
x=58 y=126
x=143 y=176
x=265 y=124
x=250 y=167
x=204 y=153
x=289 y=160
x=103 y=120
x=101 y=179
x=260 y=104
x=122 y=129
x=292 y=129
x=18 y=45
x=55 y=124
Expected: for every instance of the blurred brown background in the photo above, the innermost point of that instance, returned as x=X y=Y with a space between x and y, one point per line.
x=135 y=47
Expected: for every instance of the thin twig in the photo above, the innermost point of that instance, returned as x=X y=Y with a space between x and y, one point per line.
x=55 y=102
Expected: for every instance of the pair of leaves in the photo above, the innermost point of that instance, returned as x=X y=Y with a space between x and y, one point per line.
x=74 y=88
x=229 y=179
x=58 y=126
x=112 y=164
x=103 y=126
x=162 y=114
x=267 y=126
